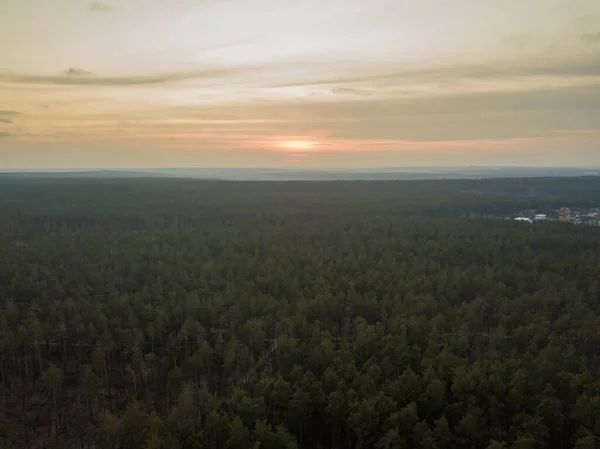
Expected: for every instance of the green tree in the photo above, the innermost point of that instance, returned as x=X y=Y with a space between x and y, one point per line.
x=107 y=436
x=52 y=380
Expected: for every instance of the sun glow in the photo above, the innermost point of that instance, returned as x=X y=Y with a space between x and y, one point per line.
x=297 y=145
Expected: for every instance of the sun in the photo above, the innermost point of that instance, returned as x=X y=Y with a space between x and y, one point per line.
x=296 y=145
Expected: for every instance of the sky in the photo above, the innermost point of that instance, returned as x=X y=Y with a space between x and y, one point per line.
x=307 y=84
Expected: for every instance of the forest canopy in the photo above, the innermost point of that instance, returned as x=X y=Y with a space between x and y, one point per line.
x=149 y=314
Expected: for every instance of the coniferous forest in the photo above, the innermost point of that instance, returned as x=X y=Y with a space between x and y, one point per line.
x=185 y=314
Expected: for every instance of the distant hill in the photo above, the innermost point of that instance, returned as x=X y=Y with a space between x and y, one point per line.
x=246 y=174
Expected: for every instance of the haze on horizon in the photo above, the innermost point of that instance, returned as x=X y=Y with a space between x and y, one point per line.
x=280 y=83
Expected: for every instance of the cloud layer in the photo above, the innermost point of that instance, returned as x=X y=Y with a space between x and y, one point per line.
x=81 y=77
x=100 y=7
x=591 y=37
x=414 y=82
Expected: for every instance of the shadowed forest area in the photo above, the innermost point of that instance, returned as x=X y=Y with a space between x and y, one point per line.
x=182 y=314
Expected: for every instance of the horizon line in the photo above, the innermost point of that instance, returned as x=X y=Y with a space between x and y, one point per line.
x=299 y=169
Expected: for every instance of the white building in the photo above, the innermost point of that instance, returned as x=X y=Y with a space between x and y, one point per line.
x=539 y=217
x=524 y=219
